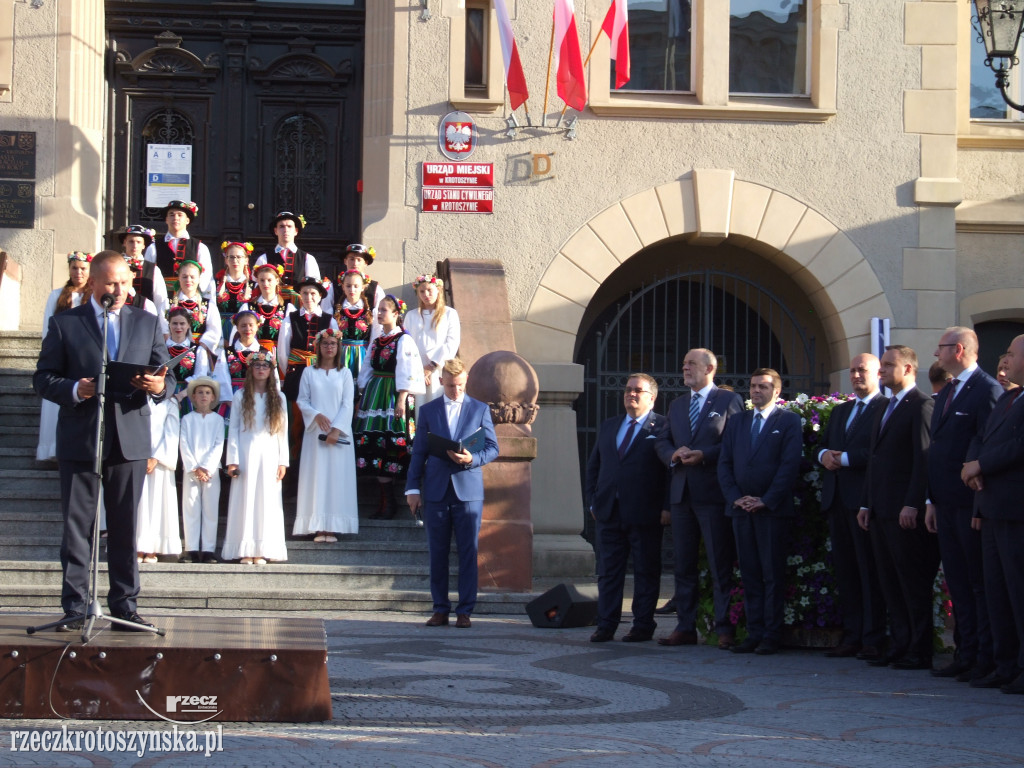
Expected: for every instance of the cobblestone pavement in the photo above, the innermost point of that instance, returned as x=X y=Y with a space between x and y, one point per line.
x=506 y=694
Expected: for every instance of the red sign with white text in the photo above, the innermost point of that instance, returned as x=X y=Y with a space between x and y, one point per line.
x=458 y=174
x=455 y=200
x=458 y=187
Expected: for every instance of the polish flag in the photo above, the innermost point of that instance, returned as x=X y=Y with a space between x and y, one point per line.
x=572 y=88
x=515 y=81
x=616 y=26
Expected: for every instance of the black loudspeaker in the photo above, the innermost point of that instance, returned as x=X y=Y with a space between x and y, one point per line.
x=564 y=606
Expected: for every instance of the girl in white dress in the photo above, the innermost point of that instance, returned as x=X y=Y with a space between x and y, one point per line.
x=156 y=517
x=201 y=444
x=436 y=330
x=326 y=502
x=60 y=299
x=257 y=461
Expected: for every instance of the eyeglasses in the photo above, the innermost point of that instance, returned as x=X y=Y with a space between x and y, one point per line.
x=258 y=366
x=633 y=391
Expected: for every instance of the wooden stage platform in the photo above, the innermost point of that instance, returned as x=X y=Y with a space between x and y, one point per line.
x=216 y=669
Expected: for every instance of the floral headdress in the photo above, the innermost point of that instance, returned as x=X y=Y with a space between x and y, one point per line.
x=279 y=268
x=366 y=251
x=79 y=256
x=399 y=304
x=362 y=275
x=328 y=333
x=262 y=356
x=431 y=279
x=243 y=314
x=194 y=263
x=247 y=247
x=138 y=230
x=189 y=208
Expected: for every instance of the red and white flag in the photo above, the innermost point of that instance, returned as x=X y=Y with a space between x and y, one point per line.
x=572 y=87
x=515 y=81
x=616 y=26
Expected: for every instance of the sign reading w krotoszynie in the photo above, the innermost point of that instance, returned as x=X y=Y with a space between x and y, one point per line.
x=458 y=188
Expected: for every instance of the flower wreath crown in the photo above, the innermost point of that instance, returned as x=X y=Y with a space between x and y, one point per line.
x=399 y=304
x=247 y=247
x=79 y=256
x=329 y=333
x=431 y=279
x=262 y=356
x=362 y=275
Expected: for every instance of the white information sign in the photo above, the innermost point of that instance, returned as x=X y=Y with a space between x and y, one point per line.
x=168 y=174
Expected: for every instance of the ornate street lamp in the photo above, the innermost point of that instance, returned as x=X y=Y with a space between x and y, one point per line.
x=998 y=24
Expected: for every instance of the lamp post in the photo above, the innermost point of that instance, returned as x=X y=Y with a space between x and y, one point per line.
x=998 y=24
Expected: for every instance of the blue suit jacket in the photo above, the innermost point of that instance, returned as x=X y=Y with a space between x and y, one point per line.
x=430 y=474
x=637 y=480
x=769 y=471
x=73 y=350
x=846 y=484
x=952 y=435
x=897 y=474
x=701 y=479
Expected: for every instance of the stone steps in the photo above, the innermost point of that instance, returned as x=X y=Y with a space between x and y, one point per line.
x=19 y=350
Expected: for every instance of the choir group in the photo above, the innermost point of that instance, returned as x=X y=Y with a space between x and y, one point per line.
x=277 y=361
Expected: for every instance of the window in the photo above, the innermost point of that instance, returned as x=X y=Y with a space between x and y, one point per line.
x=476 y=50
x=660 y=46
x=986 y=101
x=476 y=77
x=768 y=47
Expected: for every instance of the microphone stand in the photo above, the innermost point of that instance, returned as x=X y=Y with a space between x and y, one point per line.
x=94 y=612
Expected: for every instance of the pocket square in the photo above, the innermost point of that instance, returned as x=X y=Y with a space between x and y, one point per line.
x=714 y=415
x=960 y=413
x=775 y=432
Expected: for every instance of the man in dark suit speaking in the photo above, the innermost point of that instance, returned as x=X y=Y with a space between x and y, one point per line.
x=626 y=496
x=451 y=490
x=69 y=364
x=758 y=469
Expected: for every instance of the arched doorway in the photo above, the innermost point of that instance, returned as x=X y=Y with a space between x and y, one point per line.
x=672 y=297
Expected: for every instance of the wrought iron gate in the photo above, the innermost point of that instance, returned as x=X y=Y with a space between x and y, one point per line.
x=652 y=328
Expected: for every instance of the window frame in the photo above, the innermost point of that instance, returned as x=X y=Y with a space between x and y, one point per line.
x=490 y=98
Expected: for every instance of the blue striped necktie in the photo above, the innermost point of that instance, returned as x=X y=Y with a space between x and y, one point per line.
x=694 y=411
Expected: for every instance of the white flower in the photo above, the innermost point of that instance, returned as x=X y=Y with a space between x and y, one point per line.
x=819 y=566
x=802 y=398
x=823 y=591
x=805 y=601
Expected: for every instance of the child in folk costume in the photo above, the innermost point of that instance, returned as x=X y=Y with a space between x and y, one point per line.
x=355 y=321
x=177 y=246
x=195 y=363
x=201 y=444
x=385 y=423
x=148 y=283
x=436 y=329
x=326 y=502
x=358 y=257
x=296 y=264
x=269 y=306
x=70 y=295
x=257 y=460
x=205 y=319
x=234 y=283
x=156 y=517
x=244 y=343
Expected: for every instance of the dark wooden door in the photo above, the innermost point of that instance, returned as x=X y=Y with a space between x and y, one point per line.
x=270 y=100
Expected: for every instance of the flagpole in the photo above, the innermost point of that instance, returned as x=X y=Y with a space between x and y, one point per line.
x=586 y=61
x=547 y=82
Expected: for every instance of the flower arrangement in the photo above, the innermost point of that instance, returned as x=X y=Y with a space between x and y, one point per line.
x=429 y=279
x=80 y=256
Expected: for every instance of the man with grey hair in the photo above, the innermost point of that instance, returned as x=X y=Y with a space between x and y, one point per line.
x=961 y=410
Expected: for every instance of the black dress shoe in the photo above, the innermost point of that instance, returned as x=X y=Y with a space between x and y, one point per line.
x=869 y=653
x=886 y=660
x=844 y=651
x=913 y=661
x=955 y=668
x=132 y=617
x=669 y=607
x=767 y=648
x=602 y=635
x=72 y=622
x=747 y=646
x=210 y=558
x=975 y=673
x=994 y=679
x=1017 y=686
x=638 y=636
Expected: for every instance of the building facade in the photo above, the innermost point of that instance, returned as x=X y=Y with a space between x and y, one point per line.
x=774 y=176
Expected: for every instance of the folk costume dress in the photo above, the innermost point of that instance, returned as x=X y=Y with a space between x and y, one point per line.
x=327 y=473
x=201 y=445
x=436 y=345
x=148 y=285
x=272 y=316
x=255 y=526
x=295 y=346
x=383 y=441
x=168 y=252
x=356 y=325
x=231 y=298
x=195 y=363
x=204 y=321
x=156 y=517
x=46 y=449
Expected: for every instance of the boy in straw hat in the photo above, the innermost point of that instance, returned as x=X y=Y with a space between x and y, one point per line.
x=202 y=442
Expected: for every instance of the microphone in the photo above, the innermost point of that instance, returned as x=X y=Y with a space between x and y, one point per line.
x=107 y=300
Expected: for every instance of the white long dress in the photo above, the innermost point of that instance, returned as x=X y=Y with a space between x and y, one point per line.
x=435 y=344
x=156 y=517
x=327 y=473
x=46 y=449
x=255 y=525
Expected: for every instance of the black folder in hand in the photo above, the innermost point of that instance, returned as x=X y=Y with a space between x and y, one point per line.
x=439 y=446
x=120 y=374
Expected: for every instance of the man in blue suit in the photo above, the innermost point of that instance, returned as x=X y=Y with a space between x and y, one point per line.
x=758 y=469
x=69 y=363
x=995 y=469
x=450 y=490
x=961 y=410
x=626 y=496
x=689 y=444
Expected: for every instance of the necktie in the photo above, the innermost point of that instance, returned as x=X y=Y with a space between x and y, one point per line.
x=889 y=408
x=624 y=445
x=755 y=429
x=453 y=416
x=1013 y=398
x=111 y=337
x=694 y=411
x=856 y=415
x=952 y=393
